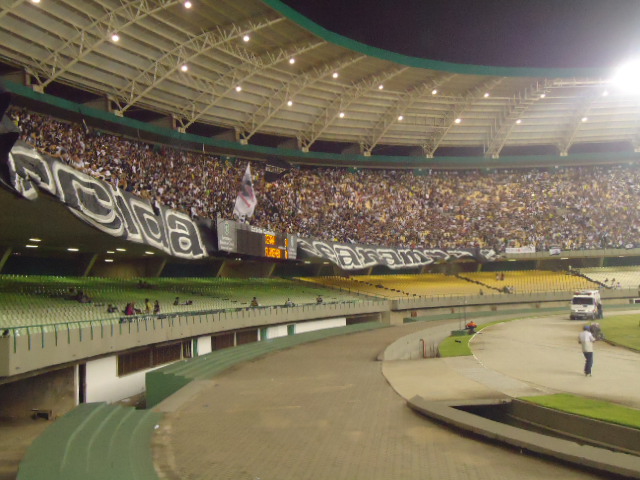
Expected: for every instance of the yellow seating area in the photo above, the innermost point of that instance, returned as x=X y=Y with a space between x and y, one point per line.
x=531 y=281
x=614 y=277
x=402 y=286
x=435 y=285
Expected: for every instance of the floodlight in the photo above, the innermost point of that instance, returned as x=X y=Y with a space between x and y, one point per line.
x=627 y=77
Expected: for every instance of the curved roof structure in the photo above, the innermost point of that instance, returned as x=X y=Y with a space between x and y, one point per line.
x=258 y=67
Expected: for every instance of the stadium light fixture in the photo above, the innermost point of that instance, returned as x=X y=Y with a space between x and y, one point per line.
x=542 y=95
x=380 y=87
x=121 y=249
x=115 y=38
x=29 y=245
x=238 y=88
x=149 y=252
x=292 y=60
x=341 y=114
x=35 y=1
x=335 y=75
x=184 y=67
x=111 y=252
x=584 y=119
x=458 y=120
x=486 y=95
x=73 y=249
x=35 y=240
x=108 y=260
x=626 y=77
x=188 y=4
x=289 y=103
x=434 y=91
x=400 y=118
x=519 y=121
x=246 y=38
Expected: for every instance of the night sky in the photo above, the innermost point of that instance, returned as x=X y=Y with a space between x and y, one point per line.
x=535 y=33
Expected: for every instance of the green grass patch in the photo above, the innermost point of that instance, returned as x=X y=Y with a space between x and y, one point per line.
x=458 y=346
x=586 y=407
x=623 y=330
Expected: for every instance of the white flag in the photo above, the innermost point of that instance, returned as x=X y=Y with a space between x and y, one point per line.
x=246 y=200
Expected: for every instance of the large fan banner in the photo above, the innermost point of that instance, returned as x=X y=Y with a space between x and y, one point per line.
x=356 y=257
x=98 y=203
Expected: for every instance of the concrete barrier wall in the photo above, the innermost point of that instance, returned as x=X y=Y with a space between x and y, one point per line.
x=28 y=349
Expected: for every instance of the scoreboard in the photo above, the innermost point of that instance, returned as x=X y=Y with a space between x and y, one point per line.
x=235 y=237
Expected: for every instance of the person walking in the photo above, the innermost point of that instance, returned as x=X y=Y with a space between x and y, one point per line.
x=586 y=339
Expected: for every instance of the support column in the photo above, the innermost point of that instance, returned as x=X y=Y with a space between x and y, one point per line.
x=5 y=256
x=89 y=265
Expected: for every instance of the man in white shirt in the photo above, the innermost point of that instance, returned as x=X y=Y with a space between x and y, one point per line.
x=586 y=339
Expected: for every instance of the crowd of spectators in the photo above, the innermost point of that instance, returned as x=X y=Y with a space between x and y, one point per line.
x=571 y=208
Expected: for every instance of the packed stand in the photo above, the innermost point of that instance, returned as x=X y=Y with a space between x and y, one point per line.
x=571 y=208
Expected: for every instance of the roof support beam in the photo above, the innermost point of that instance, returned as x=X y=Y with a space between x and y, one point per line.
x=288 y=91
x=443 y=124
x=183 y=53
x=238 y=76
x=516 y=106
x=97 y=32
x=581 y=112
x=399 y=107
x=342 y=101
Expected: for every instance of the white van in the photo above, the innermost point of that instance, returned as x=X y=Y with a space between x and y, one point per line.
x=584 y=305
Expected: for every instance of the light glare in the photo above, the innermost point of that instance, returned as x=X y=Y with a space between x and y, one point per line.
x=626 y=77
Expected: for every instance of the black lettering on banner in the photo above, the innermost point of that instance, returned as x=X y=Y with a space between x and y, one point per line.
x=354 y=257
x=124 y=211
x=184 y=236
x=459 y=253
x=436 y=254
x=151 y=226
x=347 y=257
x=369 y=256
x=88 y=198
x=390 y=258
x=28 y=169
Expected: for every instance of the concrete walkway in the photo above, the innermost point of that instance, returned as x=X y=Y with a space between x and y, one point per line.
x=326 y=411
x=536 y=356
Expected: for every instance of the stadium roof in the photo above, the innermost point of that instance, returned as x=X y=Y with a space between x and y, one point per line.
x=258 y=67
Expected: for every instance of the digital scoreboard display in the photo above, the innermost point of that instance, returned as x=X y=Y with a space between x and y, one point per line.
x=235 y=237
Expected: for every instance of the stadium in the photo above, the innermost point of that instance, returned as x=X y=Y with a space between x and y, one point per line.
x=237 y=244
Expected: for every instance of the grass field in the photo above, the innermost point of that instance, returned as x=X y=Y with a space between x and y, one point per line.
x=586 y=407
x=623 y=330
x=458 y=346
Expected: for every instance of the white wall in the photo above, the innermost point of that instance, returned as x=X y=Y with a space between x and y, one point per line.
x=276 y=332
x=204 y=345
x=320 y=324
x=104 y=385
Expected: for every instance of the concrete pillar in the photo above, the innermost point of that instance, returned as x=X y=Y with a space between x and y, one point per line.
x=89 y=265
x=5 y=256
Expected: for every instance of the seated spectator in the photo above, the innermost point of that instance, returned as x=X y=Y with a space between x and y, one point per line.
x=111 y=308
x=82 y=297
x=156 y=307
x=319 y=299
x=288 y=303
x=176 y=301
x=130 y=309
x=147 y=306
x=254 y=302
x=471 y=327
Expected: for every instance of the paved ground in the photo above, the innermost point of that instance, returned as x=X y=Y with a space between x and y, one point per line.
x=327 y=411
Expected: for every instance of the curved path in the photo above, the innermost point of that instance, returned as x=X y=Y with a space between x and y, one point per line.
x=326 y=411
